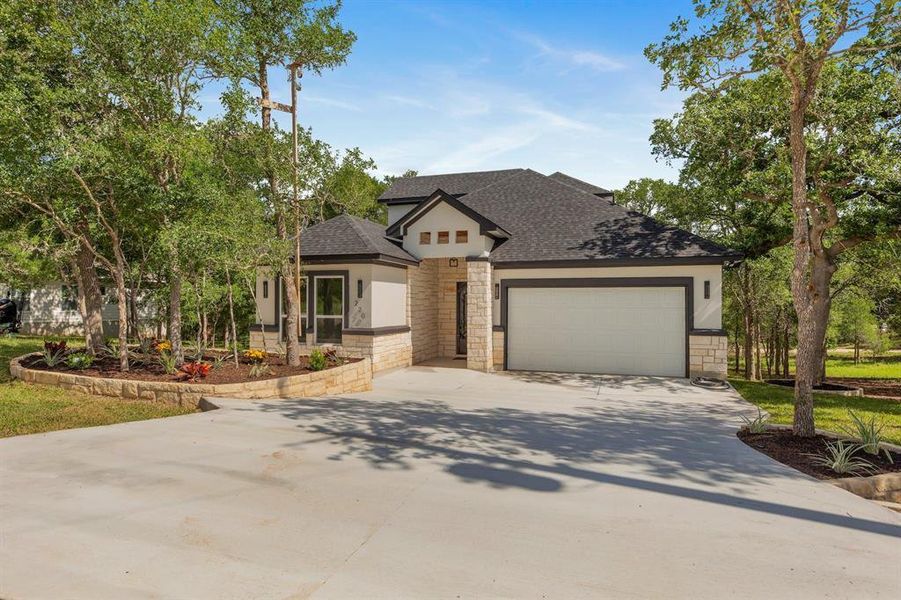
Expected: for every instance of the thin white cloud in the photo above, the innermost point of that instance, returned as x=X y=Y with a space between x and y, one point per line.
x=556 y=120
x=475 y=154
x=328 y=102
x=408 y=101
x=572 y=56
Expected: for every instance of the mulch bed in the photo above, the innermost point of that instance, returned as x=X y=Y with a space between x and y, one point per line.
x=830 y=385
x=883 y=388
x=785 y=447
x=227 y=372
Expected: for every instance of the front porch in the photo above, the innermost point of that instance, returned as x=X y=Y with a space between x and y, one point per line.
x=450 y=311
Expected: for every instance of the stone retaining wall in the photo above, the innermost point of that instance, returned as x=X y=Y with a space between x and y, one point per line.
x=348 y=378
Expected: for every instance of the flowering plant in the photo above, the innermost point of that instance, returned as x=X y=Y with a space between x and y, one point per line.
x=193 y=371
x=164 y=346
x=254 y=355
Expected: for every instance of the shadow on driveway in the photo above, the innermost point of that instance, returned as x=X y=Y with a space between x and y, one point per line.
x=689 y=444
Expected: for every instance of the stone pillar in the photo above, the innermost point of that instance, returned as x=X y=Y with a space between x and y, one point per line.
x=479 y=354
x=708 y=355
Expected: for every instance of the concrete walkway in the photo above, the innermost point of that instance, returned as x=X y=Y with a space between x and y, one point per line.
x=442 y=483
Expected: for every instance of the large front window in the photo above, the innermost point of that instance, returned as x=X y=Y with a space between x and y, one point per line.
x=329 y=317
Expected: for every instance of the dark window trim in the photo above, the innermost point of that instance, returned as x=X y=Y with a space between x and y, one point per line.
x=343 y=259
x=607 y=282
x=465 y=236
x=377 y=331
x=717 y=332
x=427 y=236
x=607 y=262
x=486 y=226
x=265 y=289
x=311 y=298
x=278 y=299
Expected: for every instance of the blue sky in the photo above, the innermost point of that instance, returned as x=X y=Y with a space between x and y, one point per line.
x=464 y=86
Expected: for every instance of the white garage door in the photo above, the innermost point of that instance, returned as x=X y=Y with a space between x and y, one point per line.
x=622 y=331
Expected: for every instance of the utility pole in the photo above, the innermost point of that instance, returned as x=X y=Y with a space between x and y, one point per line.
x=296 y=71
x=295 y=67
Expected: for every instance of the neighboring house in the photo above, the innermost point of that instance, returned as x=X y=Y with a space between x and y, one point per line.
x=53 y=310
x=510 y=269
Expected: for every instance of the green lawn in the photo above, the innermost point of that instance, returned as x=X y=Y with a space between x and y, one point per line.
x=841 y=364
x=26 y=408
x=830 y=411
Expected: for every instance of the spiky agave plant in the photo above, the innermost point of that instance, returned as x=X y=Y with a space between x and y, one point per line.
x=869 y=433
x=839 y=457
x=757 y=424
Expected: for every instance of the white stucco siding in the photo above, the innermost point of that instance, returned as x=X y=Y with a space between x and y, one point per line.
x=389 y=296
x=708 y=313
x=266 y=302
x=444 y=217
x=397 y=211
x=360 y=309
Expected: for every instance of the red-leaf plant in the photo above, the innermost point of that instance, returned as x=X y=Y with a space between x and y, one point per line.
x=194 y=371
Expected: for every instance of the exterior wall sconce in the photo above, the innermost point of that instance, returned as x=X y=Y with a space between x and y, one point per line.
x=453 y=262
x=497 y=291
x=359 y=288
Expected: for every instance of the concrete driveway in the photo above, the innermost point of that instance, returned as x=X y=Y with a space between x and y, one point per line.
x=441 y=483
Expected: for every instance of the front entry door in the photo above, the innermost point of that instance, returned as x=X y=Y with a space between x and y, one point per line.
x=461 y=317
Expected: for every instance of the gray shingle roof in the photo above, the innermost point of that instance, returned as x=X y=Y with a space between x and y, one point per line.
x=348 y=235
x=455 y=184
x=549 y=220
x=579 y=184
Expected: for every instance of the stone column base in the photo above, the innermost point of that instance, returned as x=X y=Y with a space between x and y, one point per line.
x=708 y=356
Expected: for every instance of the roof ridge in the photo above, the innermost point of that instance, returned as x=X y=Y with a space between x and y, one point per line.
x=356 y=225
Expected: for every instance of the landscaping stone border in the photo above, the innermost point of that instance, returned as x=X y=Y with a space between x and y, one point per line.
x=884 y=488
x=351 y=377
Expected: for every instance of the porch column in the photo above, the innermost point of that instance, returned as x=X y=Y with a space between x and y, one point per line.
x=478 y=314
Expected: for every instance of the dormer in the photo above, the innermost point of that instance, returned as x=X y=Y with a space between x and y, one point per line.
x=443 y=226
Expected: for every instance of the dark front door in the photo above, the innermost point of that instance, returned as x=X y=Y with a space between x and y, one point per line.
x=461 y=317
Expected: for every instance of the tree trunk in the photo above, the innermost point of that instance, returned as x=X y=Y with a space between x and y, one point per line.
x=175 y=317
x=785 y=352
x=856 y=351
x=122 y=297
x=757 y=374
x=292 y=299
x=737 y=353
x=749 y=346
x=231 y=316
x=90 y=298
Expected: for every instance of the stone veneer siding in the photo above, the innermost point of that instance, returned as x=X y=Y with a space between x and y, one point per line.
x=387 y=351
x=479 y=335
x=497 y=349
x=348 y=378
x=422 y=309
x=707 y=356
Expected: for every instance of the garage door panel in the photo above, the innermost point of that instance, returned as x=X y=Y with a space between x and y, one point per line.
x=630 y=331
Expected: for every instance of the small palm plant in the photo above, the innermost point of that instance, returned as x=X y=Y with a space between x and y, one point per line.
x=840 y=458
x=869 y=432
x=758 y=424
